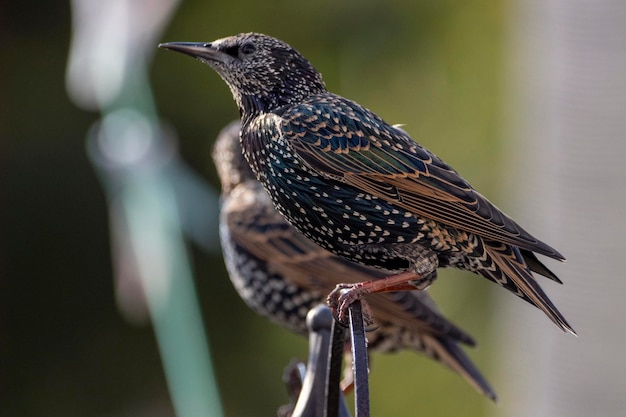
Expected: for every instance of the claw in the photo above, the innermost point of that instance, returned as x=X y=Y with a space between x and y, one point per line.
x=340 y=299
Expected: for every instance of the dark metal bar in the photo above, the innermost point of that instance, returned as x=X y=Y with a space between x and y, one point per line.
x=335 y=362
x=313 y=397
x=359 y=360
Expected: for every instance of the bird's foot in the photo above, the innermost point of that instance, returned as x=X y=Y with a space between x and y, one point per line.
x=341 y=298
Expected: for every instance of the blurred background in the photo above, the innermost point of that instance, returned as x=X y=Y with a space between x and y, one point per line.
x=526 y=100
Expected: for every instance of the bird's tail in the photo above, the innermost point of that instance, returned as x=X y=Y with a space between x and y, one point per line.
x=448 y=353
x=536 y=266
x=440 y=348
x=510 y=269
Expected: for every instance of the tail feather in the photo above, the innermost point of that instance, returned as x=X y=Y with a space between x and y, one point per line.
x=440 y=348
x=512 y=272
x=536 y=266
x=450 y=354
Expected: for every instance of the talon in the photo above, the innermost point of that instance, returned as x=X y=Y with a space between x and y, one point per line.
x=340 y=299
x=335 y=306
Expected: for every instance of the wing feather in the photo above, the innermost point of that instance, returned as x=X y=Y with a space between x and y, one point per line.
x=268 y=237
x=341 y=140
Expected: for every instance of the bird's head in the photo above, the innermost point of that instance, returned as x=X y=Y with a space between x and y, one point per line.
x=262 y=72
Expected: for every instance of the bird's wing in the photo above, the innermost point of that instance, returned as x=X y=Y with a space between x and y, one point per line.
x=256 y=227
x=342 y=140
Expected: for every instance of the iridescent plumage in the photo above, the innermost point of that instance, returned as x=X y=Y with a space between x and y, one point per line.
x=281 y=274
x=361 y=188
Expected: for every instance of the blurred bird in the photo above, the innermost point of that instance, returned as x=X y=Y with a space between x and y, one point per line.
x=281 y=274
x=361 y=188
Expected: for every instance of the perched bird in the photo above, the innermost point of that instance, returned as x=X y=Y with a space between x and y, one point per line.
x=281 y=274
x=362 y=188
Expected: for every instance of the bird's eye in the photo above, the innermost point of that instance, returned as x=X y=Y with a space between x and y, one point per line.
x=230 y=50
x=247 y=48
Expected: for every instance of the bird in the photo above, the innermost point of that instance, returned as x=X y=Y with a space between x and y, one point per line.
x=362 y=188
x=281 y=274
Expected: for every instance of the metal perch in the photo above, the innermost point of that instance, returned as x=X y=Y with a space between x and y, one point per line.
x=320 y=395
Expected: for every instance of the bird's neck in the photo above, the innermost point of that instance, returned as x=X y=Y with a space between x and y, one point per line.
x=253 y=105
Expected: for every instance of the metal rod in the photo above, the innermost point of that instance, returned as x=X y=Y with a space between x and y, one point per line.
x=313 y=400
x=359 y=361
x=335 y=362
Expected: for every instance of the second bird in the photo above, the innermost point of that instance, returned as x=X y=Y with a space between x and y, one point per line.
x=362 y=188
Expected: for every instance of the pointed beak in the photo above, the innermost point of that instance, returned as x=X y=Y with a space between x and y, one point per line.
x=198 y=50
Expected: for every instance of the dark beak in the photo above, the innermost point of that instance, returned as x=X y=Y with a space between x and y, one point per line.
x=195 y=49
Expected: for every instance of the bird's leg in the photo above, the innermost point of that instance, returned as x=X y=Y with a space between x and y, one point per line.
x=343 y=295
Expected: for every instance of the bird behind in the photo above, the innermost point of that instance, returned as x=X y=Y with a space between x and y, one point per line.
x=281 y=274
x=361 y=188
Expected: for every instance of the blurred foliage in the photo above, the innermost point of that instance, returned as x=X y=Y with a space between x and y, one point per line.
x=65 y=350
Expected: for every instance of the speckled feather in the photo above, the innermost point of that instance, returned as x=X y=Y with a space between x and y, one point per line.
x=281 y=274
x=359 y=187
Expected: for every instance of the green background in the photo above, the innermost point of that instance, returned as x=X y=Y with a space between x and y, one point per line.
x=64 y=348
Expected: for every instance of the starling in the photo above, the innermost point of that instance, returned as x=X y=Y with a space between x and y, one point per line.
x=362 y=188
x=281 y=274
